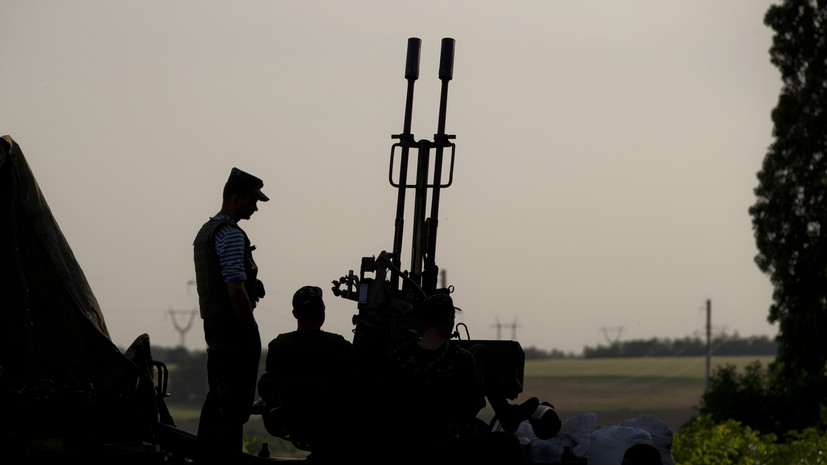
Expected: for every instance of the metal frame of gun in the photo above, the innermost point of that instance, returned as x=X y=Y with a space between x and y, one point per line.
x=386 y=309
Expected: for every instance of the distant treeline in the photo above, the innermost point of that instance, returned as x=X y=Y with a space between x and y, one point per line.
x=533 y=353
x=686 y=347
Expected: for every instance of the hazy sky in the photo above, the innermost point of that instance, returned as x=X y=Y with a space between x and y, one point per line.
x=606 y=153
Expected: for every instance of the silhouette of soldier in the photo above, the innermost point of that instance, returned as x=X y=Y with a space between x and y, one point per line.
x=438 y=391
x=307 y=378
x=225 y=274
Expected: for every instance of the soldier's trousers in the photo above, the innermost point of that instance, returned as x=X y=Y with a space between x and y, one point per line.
x=232 y=370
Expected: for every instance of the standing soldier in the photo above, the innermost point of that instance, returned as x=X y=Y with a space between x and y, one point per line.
x=227 y=292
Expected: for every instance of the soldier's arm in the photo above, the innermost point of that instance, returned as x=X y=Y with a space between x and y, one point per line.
x=241 y=304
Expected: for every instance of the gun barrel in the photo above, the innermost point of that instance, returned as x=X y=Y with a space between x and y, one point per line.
x=446 y=71
x=411 y=75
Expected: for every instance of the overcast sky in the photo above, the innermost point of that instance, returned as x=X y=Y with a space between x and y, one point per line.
x=606 y=153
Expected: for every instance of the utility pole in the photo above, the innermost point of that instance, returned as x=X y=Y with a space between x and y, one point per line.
x=513 y=327
x=708 y=341
x=497 y=325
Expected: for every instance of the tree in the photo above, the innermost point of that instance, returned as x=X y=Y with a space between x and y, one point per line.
x=746 y=397
x=789 y=216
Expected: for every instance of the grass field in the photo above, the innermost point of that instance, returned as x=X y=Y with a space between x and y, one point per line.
x=615 y=389
x=623 y=388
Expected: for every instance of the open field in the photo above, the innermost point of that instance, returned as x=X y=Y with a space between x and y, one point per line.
x=618 y=389
x=615 y=389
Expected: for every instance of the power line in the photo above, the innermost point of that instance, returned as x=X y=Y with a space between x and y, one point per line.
x=499 y=327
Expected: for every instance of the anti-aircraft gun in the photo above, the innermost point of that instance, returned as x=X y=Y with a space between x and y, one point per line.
x=388 y=297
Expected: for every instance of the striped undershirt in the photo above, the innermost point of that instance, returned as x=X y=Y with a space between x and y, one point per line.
x=229 y=245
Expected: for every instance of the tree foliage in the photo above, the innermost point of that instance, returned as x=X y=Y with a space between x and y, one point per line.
x=705 y=441
x=789 y=216
x=750 y=397
x=534 y=353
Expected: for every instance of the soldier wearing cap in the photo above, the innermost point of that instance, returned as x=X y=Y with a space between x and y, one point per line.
x=228 y=290
x=308 y=373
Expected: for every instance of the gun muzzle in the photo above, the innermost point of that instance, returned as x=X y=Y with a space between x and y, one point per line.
x=446 y=59
x=412 y=62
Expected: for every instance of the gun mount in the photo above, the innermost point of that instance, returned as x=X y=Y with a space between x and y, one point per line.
x=388 y=297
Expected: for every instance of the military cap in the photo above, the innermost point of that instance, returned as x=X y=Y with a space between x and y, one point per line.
x=308 y=299
x=439 y=304
x=241 y=181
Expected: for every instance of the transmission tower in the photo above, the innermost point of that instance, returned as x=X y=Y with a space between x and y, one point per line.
x=500 y=326
x=513 y=327
x=612 y=334
x=183 y=329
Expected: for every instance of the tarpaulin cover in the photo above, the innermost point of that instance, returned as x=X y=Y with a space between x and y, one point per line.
x=52 y=331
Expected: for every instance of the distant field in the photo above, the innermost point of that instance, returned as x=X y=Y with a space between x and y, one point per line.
x=616 y=389
x=623 y=388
